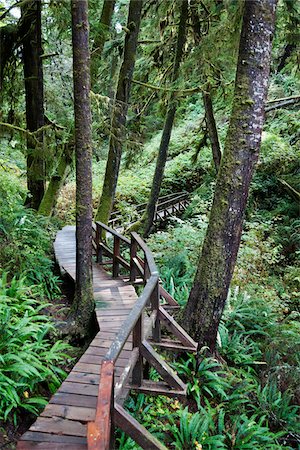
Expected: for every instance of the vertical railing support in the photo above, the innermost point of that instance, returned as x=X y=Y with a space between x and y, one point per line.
x=156 y=330
x=99 y=232
x=133 y=252
x=137 y=338
x=116 y=264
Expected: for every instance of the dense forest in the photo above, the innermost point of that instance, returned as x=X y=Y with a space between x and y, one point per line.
x=110 y=105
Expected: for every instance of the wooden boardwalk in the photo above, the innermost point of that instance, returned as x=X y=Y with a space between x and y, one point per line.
x=63 y=423
x=83 y=412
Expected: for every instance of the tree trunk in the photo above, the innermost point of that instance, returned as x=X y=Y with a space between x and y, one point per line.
x=212 y=130
x=57 y=180
x=34 y=95
x=147 y=220
x=105 y=21
x=118 y=122
x=207 y=298
x=83 y=304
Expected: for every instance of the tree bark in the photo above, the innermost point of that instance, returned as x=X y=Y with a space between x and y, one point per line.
x=34 y=95
x=58 y=177
x=57 y=180
x=83 y=304
x=212 y=130
x=118 y=122
x=105 y=21
x=147 y=220
x=207 y=298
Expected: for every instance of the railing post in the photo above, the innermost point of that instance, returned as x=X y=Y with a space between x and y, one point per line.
x=133 y=251
x=156 y=331
x=116 y=264
x=147 y=273
x=137 y=338
x=99 y=241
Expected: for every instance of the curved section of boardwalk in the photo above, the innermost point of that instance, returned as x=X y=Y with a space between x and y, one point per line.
x=63 y=423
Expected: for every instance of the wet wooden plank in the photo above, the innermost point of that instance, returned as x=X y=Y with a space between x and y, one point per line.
x=69 y=412
x=58 y=425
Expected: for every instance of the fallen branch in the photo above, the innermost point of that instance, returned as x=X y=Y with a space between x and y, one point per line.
x=282 y=102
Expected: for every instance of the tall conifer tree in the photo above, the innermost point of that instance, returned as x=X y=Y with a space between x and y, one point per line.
x=83 y=303
x=208 y=296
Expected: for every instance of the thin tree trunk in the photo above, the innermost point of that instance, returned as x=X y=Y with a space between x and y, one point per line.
x=58 y=178
x=212 y=130
x=105 y=21
x=118 y=122
x=207 y=298
x=147 y=220
x=34 y=95
x=83 y=304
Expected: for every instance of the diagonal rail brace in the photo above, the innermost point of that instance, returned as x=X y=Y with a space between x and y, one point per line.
x=170 y=323
x=135 y=430
x=164 y=370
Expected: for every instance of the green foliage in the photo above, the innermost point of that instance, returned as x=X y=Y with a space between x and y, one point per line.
x=27 y=357
x=25 y=237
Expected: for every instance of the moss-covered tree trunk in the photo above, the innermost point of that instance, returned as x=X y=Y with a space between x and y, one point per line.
x=208 y=295
x=212 y=130
x=57 y=180
x=34 y=95
x=118 y=121
x=147 y=219
x=60 y=174
x=83 y=303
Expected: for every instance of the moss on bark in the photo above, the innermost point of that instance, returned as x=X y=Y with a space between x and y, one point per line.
x=207 y=298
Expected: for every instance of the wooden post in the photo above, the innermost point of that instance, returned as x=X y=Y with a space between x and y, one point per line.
x=99 y=241
x=156 y=331
x=133 y=250
x=99 y=432
x=137 y=338
x=116 y=264
x=147 y=273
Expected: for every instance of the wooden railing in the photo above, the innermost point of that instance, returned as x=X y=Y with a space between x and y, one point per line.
x=166 y=206
x=144 y=324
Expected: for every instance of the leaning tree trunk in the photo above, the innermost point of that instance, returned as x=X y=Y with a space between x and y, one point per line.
x=208 y=295
x=83 y=304
x=65 y=158
x=34 y=95
x=212 y=130
x=57 y=180
x=118 y=121
x=147 y=219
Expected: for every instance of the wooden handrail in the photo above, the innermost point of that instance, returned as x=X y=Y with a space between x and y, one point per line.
x=163 y=202
x=100 y=431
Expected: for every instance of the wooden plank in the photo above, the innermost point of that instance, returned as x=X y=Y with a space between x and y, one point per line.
x=59 y=426
x=78 y=388
x=157 y=388
x=47 y=438
x=28 y=445
x=69 y=412
x=85 y=401
x=99 y=431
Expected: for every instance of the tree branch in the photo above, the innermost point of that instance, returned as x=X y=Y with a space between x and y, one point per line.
x=175 y=91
